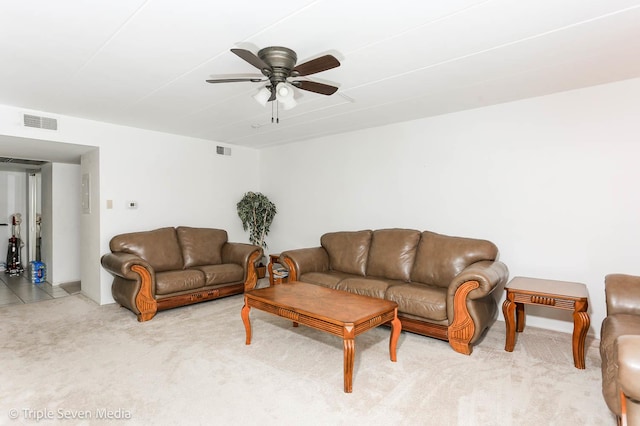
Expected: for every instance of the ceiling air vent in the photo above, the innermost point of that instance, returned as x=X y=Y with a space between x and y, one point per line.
x=221 y=150
x=40 y=122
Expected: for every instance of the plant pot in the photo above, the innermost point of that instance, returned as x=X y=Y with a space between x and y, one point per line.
x=262 y=271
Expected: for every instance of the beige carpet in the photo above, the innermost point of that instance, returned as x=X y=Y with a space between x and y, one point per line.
x=70 y=357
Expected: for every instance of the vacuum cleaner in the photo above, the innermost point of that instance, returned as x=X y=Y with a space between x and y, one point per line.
x=14 y=264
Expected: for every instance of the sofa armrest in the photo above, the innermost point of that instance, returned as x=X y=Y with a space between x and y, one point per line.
x=301 y=261
x=244 y=255
x=622 y=294
x=134 y=285
x=239 y=253
x=629 y=371
x=120 y=264
x=487 y=273
x=476 y=281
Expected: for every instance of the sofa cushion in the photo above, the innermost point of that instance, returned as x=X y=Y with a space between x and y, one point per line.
x=364 y=286
x=328 y=279
x=440 y=257
x=347 y=251
x=159 y=247
x=425 y=301
x=392 y=253
x=222 y=274
x=201 y=246
x=175 y=281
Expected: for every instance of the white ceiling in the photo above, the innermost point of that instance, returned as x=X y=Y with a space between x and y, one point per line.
x=143 y=63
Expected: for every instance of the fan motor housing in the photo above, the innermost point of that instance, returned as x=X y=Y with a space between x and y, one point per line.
x=278 y=57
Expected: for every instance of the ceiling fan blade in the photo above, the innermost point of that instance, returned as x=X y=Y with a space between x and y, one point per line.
x=313 y=66
x=235 y=80
x=253 y=60
x=312 y=86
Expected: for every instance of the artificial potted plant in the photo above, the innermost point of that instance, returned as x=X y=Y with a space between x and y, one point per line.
x=256 y=212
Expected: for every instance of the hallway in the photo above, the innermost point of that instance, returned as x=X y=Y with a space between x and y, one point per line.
x=19 y=290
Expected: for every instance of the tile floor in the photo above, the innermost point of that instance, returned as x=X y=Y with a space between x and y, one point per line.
x=18 y=290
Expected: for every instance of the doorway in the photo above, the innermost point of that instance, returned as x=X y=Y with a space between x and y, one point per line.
x=45 y=197
x=19 y=212
x=70 y=229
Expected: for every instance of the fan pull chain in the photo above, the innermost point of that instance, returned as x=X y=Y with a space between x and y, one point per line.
x=277 y=120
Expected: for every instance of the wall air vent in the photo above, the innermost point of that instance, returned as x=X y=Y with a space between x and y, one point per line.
x=7 y=160
x=221 y=150
x=40 y=122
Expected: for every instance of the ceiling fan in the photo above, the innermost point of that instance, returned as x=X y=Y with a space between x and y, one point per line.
x=278 y=65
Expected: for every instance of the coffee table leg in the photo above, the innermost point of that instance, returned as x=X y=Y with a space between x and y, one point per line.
x=349 y=356
x=581 y=323
x=396 y=327
x=520 y=318
x=508 y=310
x=245 y=319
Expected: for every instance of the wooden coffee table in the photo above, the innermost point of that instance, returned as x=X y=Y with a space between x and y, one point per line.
x=337 y=312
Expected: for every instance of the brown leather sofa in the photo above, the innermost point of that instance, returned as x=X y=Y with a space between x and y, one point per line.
x=169 y=267
x=443 y=285
x=620 y=346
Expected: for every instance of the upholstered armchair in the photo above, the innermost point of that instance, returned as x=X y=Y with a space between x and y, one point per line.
x=629 y=378
x=620 y=348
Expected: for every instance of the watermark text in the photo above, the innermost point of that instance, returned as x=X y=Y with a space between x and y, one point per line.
x=45 y=414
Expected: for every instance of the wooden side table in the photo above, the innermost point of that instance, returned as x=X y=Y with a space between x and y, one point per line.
x=275 y=259
x=554 y=294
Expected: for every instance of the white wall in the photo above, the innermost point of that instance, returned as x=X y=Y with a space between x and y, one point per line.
x=64 y=261
x=175 y=180
x=94 y=283
x=46 y=227
x=551 y=180
x=13 y=199
x=34 y=202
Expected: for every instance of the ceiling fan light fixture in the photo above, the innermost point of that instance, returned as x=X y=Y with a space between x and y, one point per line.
x=289 y=104
x=284 y=95
x=284 y=91
x=263 y=95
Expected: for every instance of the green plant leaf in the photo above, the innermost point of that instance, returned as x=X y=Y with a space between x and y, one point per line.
x=256 y=212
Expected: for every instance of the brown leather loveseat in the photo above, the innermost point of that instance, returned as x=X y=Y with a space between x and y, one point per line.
x=443 y=285
x=169 y=267
x=620 y=346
